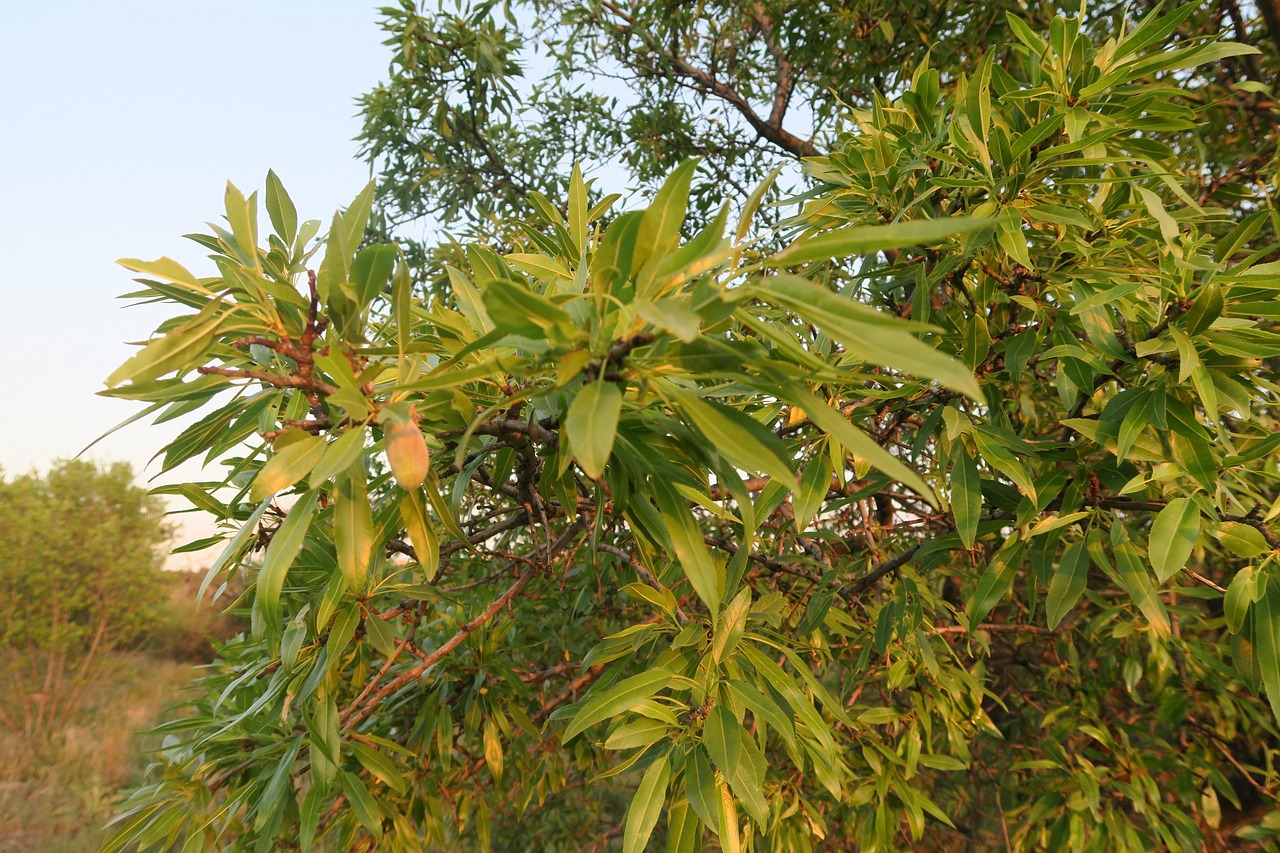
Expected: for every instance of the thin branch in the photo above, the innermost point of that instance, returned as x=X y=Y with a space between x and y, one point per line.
x=354 y=715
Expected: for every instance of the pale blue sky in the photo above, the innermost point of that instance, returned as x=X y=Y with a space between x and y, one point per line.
x=123 y=121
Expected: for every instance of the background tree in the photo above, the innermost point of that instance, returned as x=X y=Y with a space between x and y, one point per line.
x=79 y=577
x=490 y=104
x=943 y=517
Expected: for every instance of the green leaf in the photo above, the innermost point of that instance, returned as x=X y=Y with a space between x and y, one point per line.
x=700 y=786
x=722 y=737
x=371 y=272
x=1132 y=576
x=1266 y=634
x=355 y=218
x=1003 y=460
x=744 y=226
x=672 y=315
x=1173 y=535
x=286 y=542
x=288 y=466
x=994 y=583
x=691 y=551
x=540 y=267
x=380 y=635
x=1243 y=540
x=179 y=350
x=684 y=829
x=646 y=806
x=1242 y=592
x=592 y=425
x=747 y=782
x=379 y=766
x=339 y=455
x=309 y=818
x=284 y=216
x=861 y=239
x=362 y=803
x=966 y=496
x=745 y=442
x=659 y=229
x=815 y=482
x=517 y=310
x=578 y=212
x=1068 y=583
x=764 y=708
x=353 y=526
x=426 y=544
x=616 y=699
x=169 y=270
x=854 y=440
x=637 y=734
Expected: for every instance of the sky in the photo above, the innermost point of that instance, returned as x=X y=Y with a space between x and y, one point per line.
x=123 y=123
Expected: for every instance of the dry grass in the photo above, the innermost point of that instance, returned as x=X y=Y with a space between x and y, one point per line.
x=57 y=792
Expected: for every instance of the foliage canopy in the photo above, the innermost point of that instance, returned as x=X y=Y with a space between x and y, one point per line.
x=941 y=513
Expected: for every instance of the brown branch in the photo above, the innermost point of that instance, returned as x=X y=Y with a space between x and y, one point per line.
x=275 y=379
x=706 y=83
x=993 y=627
x=353 y=715
x=785 y=80
x=893 y=564
x=787 y=141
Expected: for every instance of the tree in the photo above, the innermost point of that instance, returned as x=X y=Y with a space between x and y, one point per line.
x=79 y=577
x=488 y=105
x=942 y=515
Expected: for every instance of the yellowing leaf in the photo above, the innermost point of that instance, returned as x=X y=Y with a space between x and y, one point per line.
x=1173 y=535
x=288 y=466
x=592 y=425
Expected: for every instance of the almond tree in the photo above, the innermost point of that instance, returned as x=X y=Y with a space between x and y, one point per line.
x=942 y=514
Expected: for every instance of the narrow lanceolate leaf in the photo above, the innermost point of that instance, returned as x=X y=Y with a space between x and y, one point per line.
x=727 y=819
x=966 y=496
x=235 y=549
x=861 y=239
x=691 y=550
x=646 y=806
x=659 y=229
x=280 y=208
x=1133 y=577
x=539 y=266
x=1003 y=460
x=1266 y=637
x=994 y=583
x=426 y=544
x=286 y=542
x=1173 y=535
x=746 y=443
x=616 y=699
x=1068 y=583
x=353 y=526
x=722 y=737
x=700 y=786
x=592 y=425
x=875 y=337
x=338 y=456
x=578 y=212
x=362 y=802
x=854 y=440
x=182 y=348
x=1241 y=593
x=288 y=466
